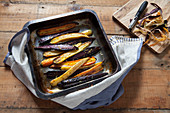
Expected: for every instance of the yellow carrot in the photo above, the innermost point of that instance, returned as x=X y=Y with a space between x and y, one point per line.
x=52 y=53
x=87 y=32
x=69 y=36
x=64 y=76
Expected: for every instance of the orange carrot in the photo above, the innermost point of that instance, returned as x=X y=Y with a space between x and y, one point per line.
x=69 y=64
x=48 y=61
x=95 y=69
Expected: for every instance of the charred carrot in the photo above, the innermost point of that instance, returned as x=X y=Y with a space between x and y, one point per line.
x=58 y=29
x=95 y=69
x=64 y=76
x=48 y=61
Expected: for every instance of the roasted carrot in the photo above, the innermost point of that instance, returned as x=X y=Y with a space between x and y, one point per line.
x=59 y=47
x=66 y=37
x=68 y=64
x=95 y=69
x=58 y=29
x=50 y=37
x=68 y=54
x=66 y=68
x=64 y=76
x=55 y=53
x=92 y=60
x=52 y=53
x=87 y=32
x=48 y=61
x=71 y=63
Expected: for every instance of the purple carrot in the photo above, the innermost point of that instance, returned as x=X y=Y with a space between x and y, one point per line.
x=154 y=10
x=78 y=80
x=86 y=53
x=57 y=73
x=57 y=47
x=93 y=76
x=53 y=74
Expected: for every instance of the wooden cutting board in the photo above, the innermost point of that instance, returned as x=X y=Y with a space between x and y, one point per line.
x=128 y=11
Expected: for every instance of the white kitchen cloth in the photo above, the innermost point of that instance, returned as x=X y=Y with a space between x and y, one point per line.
x=107 y=91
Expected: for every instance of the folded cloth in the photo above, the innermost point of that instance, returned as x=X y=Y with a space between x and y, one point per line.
x=127 y=51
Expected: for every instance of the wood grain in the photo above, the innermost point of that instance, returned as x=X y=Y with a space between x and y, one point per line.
x=150 y=60
x=80 y=2
x=14 y=16
x=104 y=14
x=5 y=39
x=145 y=89
x=142 y=90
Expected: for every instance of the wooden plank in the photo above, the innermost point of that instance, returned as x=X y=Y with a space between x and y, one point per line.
x=14 y=16
x=148 y=59
x=143 y=89
x=5 y=1
x=5 y=39
x=98 y=110
x=80 y=2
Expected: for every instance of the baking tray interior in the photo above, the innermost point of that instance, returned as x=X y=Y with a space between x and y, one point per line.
x=87 y=19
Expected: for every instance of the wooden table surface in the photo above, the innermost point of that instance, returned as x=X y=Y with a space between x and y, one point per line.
x=147 y=85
